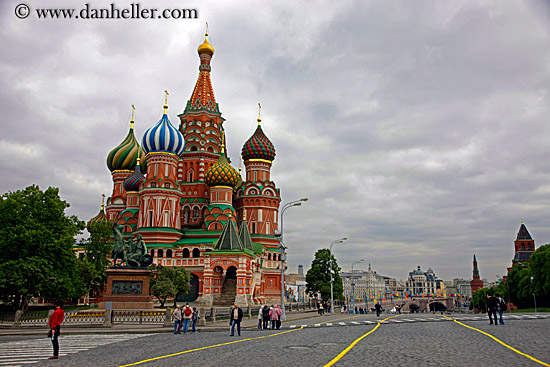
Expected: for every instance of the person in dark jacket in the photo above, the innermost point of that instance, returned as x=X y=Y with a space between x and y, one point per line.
x=492 y=303
x=55 y=326
x=265 y=317
x=236 y=318
x=378 y=308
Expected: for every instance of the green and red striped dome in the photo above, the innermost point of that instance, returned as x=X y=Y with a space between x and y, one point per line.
x=258 y=147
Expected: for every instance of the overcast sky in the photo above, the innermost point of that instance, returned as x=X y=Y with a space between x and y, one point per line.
x=417 y=129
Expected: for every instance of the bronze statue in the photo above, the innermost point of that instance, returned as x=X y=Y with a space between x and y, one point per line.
x=119 y=250
x=137 y=254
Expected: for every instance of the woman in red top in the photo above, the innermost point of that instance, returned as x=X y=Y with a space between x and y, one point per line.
x=55 y=326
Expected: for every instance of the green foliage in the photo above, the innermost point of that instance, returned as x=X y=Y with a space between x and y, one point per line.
x=318 y=277
x=520 y=285
x=168 y=282
x=36 y=240
x=96 y=256
x=540 y=265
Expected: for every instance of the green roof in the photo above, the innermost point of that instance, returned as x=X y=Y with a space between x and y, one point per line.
x=194 y=241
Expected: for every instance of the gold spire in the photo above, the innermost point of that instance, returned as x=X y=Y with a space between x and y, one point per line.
x=259 y=112
x=244 y=215
x=165 y=101
x=102 y=201
x=138 y=154
x=206 y=48
x=132 y=120
x=223 y=143
x=240 y=164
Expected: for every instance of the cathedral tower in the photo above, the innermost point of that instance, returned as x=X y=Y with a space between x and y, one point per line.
x=476 y=283
x=159 y=201
x=201 y=124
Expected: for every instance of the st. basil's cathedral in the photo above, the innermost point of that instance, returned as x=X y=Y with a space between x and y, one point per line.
x=179 y=191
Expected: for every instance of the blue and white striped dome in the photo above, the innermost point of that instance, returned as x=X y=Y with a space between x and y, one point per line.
x=163 y=137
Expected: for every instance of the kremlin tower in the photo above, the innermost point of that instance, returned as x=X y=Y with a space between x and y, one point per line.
x=180 y=192
x=476 y=283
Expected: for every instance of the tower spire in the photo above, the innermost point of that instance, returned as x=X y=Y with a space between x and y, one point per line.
x=259 y=114
x=132 y=120
x=165 y=101
x=102 y=201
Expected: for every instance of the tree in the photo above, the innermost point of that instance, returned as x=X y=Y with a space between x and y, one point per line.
x=95 y=260
x=169 y=282
x=540 y=270
x=36 y=240
x=318 y=276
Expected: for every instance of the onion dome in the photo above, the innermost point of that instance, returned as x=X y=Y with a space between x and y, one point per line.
x=222 y=173
x=125 y=155
x=258 y=146
x=205 y=47
x=163 y=137
x=101 y=217
x=132 y=182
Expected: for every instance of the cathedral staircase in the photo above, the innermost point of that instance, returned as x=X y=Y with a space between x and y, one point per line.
x=229 y=291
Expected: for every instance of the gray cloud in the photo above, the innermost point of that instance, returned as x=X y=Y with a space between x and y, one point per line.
x=418 y=130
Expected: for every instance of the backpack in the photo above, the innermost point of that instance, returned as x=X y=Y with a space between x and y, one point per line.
x=187 y=311
x=503 y=305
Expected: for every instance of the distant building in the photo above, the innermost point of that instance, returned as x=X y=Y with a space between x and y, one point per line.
x=422 y=283
x=360 y=284
x=476 y=283
x=301 y=270
x=524 y=246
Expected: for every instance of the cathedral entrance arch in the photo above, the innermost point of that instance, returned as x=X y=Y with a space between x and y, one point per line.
x=231 y=273
x=193 y=293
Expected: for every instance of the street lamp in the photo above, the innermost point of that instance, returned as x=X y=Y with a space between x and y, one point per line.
x=353 y=277
x=283 y=254
x=332 y=271
x=534 y=296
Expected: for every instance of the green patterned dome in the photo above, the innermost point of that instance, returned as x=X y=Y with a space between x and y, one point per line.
x=223 y=174
x=258 y=146
x=101 y=217
x=124 y=156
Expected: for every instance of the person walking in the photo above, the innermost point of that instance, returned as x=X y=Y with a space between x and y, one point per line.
x=194 y=319
x=260 y=318
x=274 y=315
x=236 y=318
x=279 y=313
x=187 y=314
x=55 y=321
x=502 y=307
x=176 y=318
x=492 y=309
x=265 y=316
x=378 y=308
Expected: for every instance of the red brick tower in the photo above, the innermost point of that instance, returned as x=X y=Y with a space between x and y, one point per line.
x=201 y=125
x=476 y=283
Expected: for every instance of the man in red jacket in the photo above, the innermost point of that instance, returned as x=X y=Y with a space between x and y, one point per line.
x=55 y=326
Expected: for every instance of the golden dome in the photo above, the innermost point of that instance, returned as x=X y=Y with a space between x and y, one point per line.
x=206 y=48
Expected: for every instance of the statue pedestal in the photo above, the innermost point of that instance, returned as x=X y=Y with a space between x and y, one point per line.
x=127 y=289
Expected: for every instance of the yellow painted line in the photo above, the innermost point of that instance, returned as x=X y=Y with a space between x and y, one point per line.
x=345 y=351
x=208 y=347
x=498 y=341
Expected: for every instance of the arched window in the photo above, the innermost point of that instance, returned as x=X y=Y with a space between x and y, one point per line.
x=190 y=175
x=196 y=252
x=253 y=228
x=153 y=253
x=169 y=254
x=269 y=256
x=160 y=253
x=193 y=148
x=196 y=212
x=185 y=253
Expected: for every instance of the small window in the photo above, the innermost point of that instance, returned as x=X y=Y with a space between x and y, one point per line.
x=160 y=253
x=195 y=212
x=196 y=252
x=153 y=184
x=185 y=253
x=169 y=254
x=153 y=253
x=167 y=185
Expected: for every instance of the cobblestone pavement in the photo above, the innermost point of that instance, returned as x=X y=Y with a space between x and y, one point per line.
x=405 y=340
